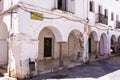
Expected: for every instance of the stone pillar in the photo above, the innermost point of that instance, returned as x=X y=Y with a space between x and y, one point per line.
x=14 y=59
x=97 y=48
x=109 y=47
x=19 y=53
x=60 y=55
x=115 y=47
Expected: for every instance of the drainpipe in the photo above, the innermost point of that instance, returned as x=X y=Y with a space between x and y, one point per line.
x=9 y=50
x=11 y=17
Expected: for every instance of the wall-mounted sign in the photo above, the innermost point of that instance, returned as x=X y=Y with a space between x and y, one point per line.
x=37 y=16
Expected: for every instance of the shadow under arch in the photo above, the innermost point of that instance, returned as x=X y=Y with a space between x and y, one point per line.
x=92 y=45
x=103 y=44
x=118 y=40
x=113 y=38
x=94 y=34
x=113 y=44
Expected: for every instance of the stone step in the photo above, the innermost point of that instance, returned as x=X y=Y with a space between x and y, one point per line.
x=7 y=78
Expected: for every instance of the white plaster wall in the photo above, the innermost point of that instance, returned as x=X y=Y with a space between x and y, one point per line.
x=79 y=8
x=14 y=21
x=71 y=5
x=92 y=18
x=46 y=4
x=106 y=4
x=9 y=3
x=32 y=28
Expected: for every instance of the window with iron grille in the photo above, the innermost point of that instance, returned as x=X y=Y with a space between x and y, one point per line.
x=91 y=4
x=99 y=9
x=62 y=5
x=106 y=12
x=117 y=17
x=112 y=16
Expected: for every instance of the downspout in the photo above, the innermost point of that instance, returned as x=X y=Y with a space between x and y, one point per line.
x=9 y=50
x=87 y=56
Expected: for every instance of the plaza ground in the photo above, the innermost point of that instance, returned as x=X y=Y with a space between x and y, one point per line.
x=104 y=69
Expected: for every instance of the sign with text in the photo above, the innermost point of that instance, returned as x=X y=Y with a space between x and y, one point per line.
x=37 y=16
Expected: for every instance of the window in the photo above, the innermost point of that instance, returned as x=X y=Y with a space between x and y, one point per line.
x=106 y=12
x=62 y=5
x=59 y=4
x=99 y=9
x=117 y=17
x=91 y=6
x=112 y=16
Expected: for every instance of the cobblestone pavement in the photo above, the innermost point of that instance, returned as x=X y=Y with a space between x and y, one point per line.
x=105 y=69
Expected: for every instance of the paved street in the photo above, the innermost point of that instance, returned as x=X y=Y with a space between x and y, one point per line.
x=105 y=69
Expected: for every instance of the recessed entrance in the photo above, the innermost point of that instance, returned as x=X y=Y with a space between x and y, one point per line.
x=47 y=47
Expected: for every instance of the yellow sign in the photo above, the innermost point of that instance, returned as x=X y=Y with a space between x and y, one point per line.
x=36 y=16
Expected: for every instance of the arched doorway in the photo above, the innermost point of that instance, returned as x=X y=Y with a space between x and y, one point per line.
x=92 y=45
x=118 y=46
x=73 y=49
x=48 y=50
x=113 y=44
x=119 y=39
x=103 y=44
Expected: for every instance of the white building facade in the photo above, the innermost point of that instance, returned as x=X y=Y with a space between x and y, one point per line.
x=43 y=35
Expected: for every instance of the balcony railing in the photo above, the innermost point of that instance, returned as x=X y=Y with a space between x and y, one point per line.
x=117 y=24
x=100 y=18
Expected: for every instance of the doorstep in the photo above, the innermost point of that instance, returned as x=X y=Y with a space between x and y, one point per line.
x=7 y=78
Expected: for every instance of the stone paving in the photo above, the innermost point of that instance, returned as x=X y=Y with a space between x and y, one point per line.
x=105 y=69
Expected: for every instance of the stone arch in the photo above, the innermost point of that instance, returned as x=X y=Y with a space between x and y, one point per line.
x=118 y=44
x=48 y=49
x=76 y=30
x=53 y=27
x=95 y=36
x=75 y=35
x=113 y=44
x=92 y=44
x=74 y=45
x=118 y=40
x=113 y=37
x=103 y=44
x=50 y=32
x=3 y=44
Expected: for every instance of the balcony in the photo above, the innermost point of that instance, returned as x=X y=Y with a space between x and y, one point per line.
x=100 y=18
x=117 y=24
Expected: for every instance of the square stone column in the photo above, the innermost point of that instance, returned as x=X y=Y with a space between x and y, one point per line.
x=19 y=54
